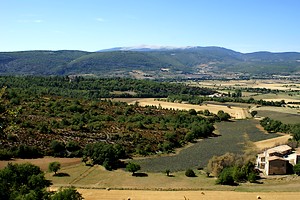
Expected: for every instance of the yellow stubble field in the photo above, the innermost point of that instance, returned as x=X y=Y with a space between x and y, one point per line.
x=233 y=111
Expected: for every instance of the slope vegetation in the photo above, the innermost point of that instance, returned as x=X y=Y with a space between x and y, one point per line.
x=192 y=60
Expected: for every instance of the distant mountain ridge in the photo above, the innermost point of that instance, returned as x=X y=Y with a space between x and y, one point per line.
x=151 y=62
x=146 y=48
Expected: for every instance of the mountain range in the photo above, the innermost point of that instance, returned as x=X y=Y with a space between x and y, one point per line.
x=151 y=62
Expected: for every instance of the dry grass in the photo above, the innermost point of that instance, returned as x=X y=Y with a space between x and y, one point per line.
x=234 y=111
x=264 y=144
x=90 y=194
x=98 y=178
x=44 y=162
x=269 y=84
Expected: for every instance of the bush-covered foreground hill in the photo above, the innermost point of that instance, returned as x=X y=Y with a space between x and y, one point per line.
x=35 y=121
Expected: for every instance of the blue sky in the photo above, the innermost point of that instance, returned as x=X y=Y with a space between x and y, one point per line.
x=91 y=25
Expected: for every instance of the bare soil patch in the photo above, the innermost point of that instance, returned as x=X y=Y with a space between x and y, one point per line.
x=43 y=162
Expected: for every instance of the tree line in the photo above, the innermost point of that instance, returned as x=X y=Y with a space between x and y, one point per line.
x=198 y=100
x=95 y=88
x=274 y=126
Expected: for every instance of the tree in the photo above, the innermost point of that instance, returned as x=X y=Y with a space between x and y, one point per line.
x=5 y=154
x=217 y=163
x=206 y=112
x=168 y=172
x=296 y=169
x=21 y=181
x=296 y=132
x=253 y=113
x=225 y=177
x=192 y=112
x=223 y=116
x=67 y=194
x=101 y=152
x=58 y=148
x=54 y=167
x=132 y=167
x=190 y=173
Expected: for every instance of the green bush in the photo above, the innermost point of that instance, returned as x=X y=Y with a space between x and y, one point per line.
x=5 y=154
x=296 y=169
x=132 y=167
x=190 y=173
x=252 y=177
x=54 y=167
x=226 y=177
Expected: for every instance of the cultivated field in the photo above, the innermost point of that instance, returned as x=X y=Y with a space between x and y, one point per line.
x=283 y=114
x=268 y=84
x=232 y=139
x=234 y=111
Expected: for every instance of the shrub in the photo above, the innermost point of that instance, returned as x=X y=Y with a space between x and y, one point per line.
x=297 y=169
x=54 y=167
x=58 y=148
x=252 y=177
x=24 y=151
x=190 y=173
x=132 y=167
x=5 y=154
x=225 y=177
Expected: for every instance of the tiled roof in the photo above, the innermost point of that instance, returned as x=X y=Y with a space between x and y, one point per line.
x=275 y=158
x=279 y=149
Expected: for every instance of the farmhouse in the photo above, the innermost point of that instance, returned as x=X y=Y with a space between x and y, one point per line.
x=277 y=160
x=217 y=95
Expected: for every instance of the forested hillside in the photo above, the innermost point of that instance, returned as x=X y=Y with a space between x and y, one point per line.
x=95 y=88
x=192 y=60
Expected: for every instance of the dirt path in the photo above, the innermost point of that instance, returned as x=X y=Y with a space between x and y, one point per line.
x=91 y=194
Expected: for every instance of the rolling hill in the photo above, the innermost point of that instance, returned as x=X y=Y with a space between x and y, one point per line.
x=148 y=62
